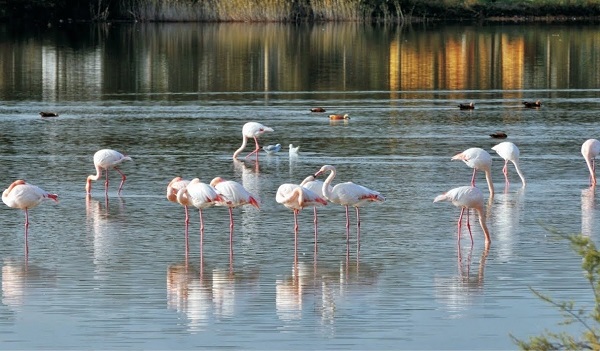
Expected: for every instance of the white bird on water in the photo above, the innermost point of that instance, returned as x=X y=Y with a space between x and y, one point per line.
x=294 y=150
x=467 y=197
x=479 y=160
x=272 y=149
x=509 y=152
x=106 y=159
x=590 y=149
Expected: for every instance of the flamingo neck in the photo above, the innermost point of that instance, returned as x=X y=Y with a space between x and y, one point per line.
x=488 y=178
x=182 y=197
x=519 y=172
x=238 y=151
x=88 y=185
x=592 y=171
x=327 y=190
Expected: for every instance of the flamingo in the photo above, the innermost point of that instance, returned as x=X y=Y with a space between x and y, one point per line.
x=509 y=152
x=173 y=188
x=478 y=159
x=24 y=196
x=296 y=197
x=467 y=197
x=201 y=196
x=590 y=149
x=233 y=194
x=316 y=186
x=251 y=130
x=106 y=159
x=348 y=194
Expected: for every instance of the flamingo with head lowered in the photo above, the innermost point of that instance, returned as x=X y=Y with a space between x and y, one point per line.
x=509 y=152
x=106 y=159
x=467 y=197
x=296 y=197
x=348 y=194
x=251 y=130
x=24 y=196
x=590 y=149
x=479 y=160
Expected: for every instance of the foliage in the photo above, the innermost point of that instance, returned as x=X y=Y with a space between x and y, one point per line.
x=589 y=320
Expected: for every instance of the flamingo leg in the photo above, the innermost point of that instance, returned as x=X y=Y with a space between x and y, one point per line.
x=473 y=177
x=357 y=229
x=201 y=231
x=295 y=231
x=505 y=171
x=469 y=227
x=187 y=243
x=347 y=227
x=460 y=223
x=106 y=184
x=316 y=222
x=230 y=233
x=257 y=149
x=26 y=231
x=123 y=178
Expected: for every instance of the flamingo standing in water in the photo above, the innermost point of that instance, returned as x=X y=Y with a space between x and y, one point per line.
x=201 y=196
x=233 y=194
x=173 y=188
x=106 y=159
x=348 y=194
x=509 y=152
x=251 y=130
x=590 y=149
x=478 y=159
x=24 y=196
x=316 y=186
x=467 y=197
x=296 y=197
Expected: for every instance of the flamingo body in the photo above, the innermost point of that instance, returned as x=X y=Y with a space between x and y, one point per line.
x=233 y=194
x=590 y=149
x=24 y=196
x=104 y=160
x=467 y=197
x=479 y=160
x=296 y=197
x=509 y=152
x=251 y=130
x=202 y=195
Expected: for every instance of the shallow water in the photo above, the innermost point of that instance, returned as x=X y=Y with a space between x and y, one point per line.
x=112 y=272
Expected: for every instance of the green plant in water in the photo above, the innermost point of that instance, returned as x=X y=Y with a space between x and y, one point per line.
x=589 y=320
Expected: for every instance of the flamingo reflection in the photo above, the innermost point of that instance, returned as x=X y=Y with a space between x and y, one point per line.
x=506 y=218
x=588 y=206
x=17 y=278
x=190 y=294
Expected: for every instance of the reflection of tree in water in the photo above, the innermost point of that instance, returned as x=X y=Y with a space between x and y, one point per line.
x=313 y=287
x=457 y=292
x=202 y=296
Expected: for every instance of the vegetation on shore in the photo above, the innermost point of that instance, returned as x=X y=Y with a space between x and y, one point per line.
x=387 y=11
x=587 y=319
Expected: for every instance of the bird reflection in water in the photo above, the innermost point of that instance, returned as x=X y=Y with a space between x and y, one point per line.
x=459 y=291
x=20 y=276
x=203 y=296
x=588 y=207
x=320 y=289
x=250 y=181
x=98 y=217
x=506 y=219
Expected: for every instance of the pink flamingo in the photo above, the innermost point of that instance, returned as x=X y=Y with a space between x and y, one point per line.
x=479 y=160
x=315 y=186
x=467 y=197
x=590 y=149
x=348 y=194
x=233 y=194
x=24 y=196
x=201 y=196
x=509 y=152
x=296 y=197
x=106 y=159
x=175 y=185
x=251 y=130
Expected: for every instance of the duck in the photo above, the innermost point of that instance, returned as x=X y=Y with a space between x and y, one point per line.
x=499 y=135
x=48 y=114
x=317 y=109
x=339 y=117
x=271 y=149
x=530 y=104
x=469 y=106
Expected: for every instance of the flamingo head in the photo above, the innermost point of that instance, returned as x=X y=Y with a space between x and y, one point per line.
x=324 y=169
x=216 y=181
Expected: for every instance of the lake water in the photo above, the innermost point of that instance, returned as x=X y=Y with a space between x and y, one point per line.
x=113 y=273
